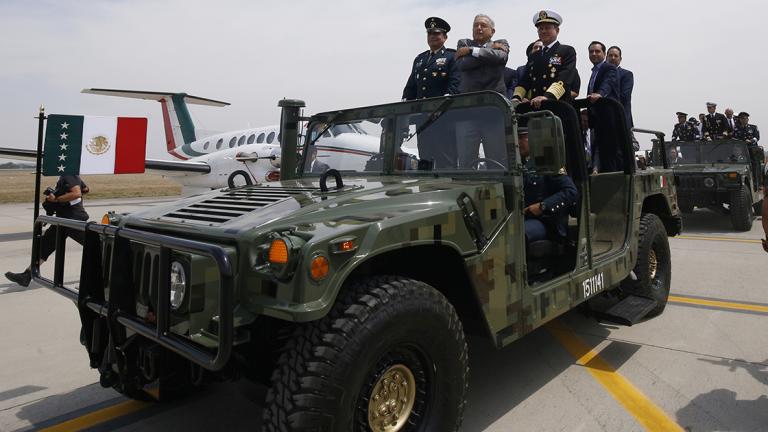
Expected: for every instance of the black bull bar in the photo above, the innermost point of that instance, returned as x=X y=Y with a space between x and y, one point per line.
x=90 y=295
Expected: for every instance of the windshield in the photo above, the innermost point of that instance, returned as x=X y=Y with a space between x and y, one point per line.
x=707 y=152
x=447 y=140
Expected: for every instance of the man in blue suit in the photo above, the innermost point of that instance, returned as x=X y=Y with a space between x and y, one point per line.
x=626 y=83
x=604 y=81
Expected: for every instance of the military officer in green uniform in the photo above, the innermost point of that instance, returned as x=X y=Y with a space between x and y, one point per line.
x=745 y=131
x=434 y=72
x=549 y=72
x=684 y=130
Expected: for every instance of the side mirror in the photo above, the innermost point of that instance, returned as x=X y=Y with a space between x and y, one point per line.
x=547 y=144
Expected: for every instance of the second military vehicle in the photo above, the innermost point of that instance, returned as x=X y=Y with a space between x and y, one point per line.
x=724 y=175
x=350 y=292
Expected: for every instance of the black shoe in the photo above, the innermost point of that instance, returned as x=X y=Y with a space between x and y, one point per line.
x=22 y=278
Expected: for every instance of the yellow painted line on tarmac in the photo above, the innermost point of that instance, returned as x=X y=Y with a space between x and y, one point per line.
x=725 y=239
x=100 y=416
x=647 y=413
x=718 y=304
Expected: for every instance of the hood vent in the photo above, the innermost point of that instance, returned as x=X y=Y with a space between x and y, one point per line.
x=232 y=204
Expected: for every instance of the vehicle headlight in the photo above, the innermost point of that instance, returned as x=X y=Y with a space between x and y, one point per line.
x=709 y=182
x=178 y=285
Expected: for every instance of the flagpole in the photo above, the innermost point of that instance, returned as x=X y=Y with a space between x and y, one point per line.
x=36 y=229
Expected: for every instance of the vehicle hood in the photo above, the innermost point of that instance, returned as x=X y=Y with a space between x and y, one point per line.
x=300 y=203
x=709 y=169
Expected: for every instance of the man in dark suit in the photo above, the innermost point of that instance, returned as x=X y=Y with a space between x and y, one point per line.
x=547 y=199
x=482 y=60
x=549 y=72
x=714 y=125
x=510 y=81
x=604 y=81
x=434 y=72
x=313 y=164
x=626 y=83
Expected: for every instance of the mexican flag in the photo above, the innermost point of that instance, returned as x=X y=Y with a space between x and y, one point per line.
x=77 y=145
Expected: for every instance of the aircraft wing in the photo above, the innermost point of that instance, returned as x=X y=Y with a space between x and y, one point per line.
x=169 y=168
x=164 y=167
x=21 y=154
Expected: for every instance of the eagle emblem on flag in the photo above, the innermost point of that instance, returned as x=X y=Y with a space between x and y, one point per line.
x=98 y=145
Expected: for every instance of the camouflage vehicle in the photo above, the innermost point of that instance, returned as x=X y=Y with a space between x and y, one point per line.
x=713 y=174
x=349 y=292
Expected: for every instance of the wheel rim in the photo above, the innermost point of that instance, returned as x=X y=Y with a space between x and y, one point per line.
x=653 y=264
x=392 y=399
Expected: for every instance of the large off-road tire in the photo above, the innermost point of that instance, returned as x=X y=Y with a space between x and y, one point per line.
x=741 y=209
x=654 y=265
x=391 y=350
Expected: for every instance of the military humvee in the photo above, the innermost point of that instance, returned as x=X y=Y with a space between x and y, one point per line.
x=711 y=174
x=349 y=291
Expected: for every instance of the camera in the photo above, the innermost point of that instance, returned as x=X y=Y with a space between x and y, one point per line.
x=50 y=207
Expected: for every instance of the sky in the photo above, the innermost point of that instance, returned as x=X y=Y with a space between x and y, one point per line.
x=345 y=54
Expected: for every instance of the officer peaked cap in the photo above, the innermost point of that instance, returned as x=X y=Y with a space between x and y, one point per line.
x=547 y=16
x=435 y=24
x=743 y=114
x=680 y=113
x=711 y=104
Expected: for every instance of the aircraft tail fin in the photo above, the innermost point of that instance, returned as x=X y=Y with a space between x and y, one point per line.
x=177 y=122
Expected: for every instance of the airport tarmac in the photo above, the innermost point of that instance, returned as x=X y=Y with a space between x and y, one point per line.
x=700 y=366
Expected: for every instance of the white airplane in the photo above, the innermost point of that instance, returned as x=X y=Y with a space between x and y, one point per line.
x=231 y=158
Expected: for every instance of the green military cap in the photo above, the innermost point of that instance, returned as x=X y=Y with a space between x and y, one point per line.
x=680 y=113
x=743 y=114
x=435 y=24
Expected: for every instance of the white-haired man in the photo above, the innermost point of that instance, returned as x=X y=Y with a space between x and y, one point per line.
x=481 y=59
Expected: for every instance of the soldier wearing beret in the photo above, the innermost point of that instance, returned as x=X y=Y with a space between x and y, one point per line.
x=434 y=72
x=550 y=72
x=714 y=125
x=745 y=131
x=684 y=130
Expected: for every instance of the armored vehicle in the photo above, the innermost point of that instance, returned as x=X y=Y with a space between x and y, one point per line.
x=349 y=292
x=719 y=173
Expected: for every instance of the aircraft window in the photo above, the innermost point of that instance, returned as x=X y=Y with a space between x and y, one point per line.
x=270 y=137
x=232 y=142
x=219 y=143
x=205 y=146
x=260 y=139
x=251 y=138
x=241 y=141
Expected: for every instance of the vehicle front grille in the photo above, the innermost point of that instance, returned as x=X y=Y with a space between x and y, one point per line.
x=232 y=204
x=690 y=182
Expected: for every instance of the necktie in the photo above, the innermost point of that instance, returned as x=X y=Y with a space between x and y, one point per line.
x=592 y=79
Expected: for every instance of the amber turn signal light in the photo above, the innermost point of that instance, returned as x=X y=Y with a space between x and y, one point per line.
x=105 y=219
x=278 y=252
x=318 y=268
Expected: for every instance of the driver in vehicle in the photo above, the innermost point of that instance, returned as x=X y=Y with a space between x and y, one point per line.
x=313 y=164
x=548 y=198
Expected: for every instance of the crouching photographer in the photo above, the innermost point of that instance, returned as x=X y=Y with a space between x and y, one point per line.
x=65 y=201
